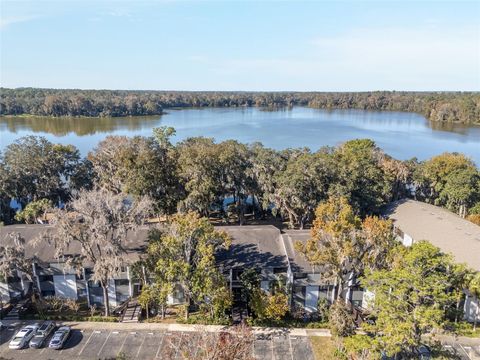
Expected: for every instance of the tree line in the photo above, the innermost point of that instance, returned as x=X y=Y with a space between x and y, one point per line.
x=231 y=181
x=459 y=107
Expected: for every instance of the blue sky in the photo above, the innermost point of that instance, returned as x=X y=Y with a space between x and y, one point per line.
x=242 y=45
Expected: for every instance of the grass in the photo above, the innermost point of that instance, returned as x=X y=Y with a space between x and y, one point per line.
x=463 y=328
x=323 y=347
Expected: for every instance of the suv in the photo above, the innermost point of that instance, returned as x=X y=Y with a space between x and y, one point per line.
x=21 y=338
x=41 y=335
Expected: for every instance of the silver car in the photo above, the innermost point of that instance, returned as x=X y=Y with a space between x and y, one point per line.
x=59 y=338
x=21 y=338
x=42 y=334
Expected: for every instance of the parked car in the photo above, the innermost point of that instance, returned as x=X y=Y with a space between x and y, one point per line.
x=42 y=334
x=21 y=338
x=423 y=352
x=59 y=338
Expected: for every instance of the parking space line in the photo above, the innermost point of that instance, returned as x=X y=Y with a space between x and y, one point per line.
x=99 y=352
x=159 y=346
x=140 y=348
x=83 y=348
x=123 y=344
x=273 y=352
x=290 y=344
x=179 y=345
x=461 y=347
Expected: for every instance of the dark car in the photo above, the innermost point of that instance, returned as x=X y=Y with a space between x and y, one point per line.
x=423 y=352
x=42 y=334
x=59 y=338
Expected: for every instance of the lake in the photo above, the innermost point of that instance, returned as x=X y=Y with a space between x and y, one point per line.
x=402 y=135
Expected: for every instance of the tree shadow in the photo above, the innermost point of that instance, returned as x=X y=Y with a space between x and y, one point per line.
x=247 y=256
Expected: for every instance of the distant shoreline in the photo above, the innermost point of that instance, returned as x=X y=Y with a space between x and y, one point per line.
x=447 y=107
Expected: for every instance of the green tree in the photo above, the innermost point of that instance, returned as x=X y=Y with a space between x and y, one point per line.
x=155 y=296
x=33 y=168
x=234 y=160
x=138 y=166
x=266 y=165
x=474 y=290
x=302 y=185
x=436 y=171
x=34 y=210
x=411 y=297
x=200 y=172
x=184 y=254
x=343 y=245
x=461 y=190
x=361 y=177
x=333 y=239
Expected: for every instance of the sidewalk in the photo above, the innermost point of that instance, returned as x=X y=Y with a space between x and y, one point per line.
x=85 y=325
x=302 y=332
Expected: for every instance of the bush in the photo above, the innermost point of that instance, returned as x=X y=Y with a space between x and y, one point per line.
x=341 y=320
x=202 y=319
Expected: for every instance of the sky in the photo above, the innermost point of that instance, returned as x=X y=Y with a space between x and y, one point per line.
x=241 y=45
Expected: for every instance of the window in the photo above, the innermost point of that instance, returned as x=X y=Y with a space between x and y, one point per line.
x=42 y=278
x=122 y=282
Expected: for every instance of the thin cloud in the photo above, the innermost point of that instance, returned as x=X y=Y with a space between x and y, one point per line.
x=8 y=21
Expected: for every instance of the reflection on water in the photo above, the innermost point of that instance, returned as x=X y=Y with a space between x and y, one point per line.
x=61 y=126
x=402 y=135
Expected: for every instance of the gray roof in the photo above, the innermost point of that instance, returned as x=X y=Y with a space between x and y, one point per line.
x=253 y=246
x=297 y=260
x=43 y=251
x=442 y=228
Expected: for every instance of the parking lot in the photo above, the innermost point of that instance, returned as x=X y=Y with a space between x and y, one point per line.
x=108 y=344
x=462 y=351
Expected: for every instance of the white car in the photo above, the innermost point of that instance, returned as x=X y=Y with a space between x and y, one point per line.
x=21 y=338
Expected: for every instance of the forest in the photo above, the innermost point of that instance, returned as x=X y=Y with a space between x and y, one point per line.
x=232 y=181
x=454 y=107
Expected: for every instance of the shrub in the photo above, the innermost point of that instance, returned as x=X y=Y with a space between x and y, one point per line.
x=341 y=320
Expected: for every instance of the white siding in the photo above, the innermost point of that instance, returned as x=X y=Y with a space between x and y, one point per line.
x=65 y=286
x=368 y=298
x=472 y=308
x=407 y=240
x=4 y=292
x=112 y=295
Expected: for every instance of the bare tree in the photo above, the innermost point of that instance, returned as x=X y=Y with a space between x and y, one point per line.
x=102 y=223
x=235 y=343
x=13 y=258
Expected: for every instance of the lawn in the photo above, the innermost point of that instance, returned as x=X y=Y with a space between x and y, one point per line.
x=323 y=347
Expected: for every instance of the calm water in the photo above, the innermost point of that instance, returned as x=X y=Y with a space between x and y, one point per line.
x=402 y=135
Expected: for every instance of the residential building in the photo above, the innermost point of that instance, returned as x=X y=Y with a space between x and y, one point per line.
x=415 y=221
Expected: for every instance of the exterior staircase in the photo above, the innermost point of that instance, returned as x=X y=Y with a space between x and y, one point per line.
x=14 y=314
x=132 y=312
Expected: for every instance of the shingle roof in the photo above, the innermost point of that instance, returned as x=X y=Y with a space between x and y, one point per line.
x=253 y=246
x=43 y=251
x=442 y=228
x=297 y=260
